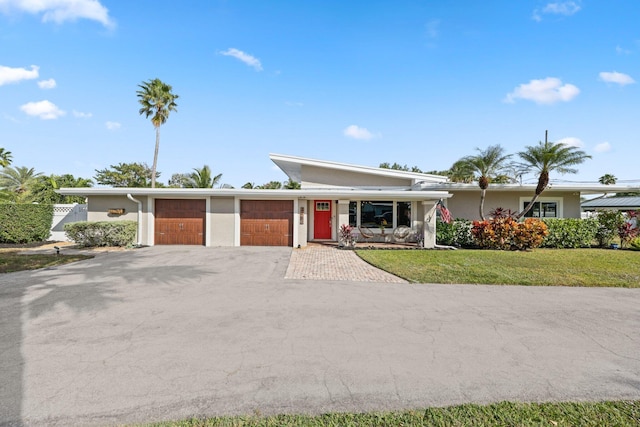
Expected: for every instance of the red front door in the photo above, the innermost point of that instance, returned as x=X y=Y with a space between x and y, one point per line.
x=322 y=219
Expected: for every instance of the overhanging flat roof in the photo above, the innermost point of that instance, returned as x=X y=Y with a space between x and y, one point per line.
x=553 y=187
x=331 y=193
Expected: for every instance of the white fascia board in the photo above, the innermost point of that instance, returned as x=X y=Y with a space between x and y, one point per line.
x=583 y=189
x=292 y=166
x=260 y=194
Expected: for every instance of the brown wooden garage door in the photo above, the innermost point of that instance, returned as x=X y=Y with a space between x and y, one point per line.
x=266 y=223
x=180 y=222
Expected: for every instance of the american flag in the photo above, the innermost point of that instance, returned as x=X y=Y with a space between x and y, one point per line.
x=445 y=215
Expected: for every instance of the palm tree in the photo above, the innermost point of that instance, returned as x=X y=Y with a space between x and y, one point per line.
x=459 y=172
x=487 y=164
x=157 y=101
x=201 y=178
x=5 y=158
x=607 y=179
x=546 y=158
x=18 y=180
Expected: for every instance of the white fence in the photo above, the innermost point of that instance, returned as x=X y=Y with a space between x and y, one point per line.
x=63 y=214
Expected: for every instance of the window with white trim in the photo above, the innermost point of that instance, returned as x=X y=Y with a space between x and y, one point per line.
x=544 y=207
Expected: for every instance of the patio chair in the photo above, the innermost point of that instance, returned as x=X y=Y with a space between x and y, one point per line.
x=401 y=233
x=366 y=233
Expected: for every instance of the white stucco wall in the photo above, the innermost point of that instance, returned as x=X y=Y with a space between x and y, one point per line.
x=313 y=177
x=465 y=204
x=223 y=218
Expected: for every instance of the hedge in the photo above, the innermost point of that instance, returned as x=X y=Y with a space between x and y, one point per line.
x=456 y=233
x=102 y=233
x=25 y=223
x=570 y=233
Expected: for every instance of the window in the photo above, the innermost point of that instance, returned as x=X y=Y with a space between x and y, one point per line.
x=353 y=214
x=323 y=206
x=403 y=213
x=376 y=213
x=549 y=208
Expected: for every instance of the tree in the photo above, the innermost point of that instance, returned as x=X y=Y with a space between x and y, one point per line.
x=43 y=189
x=5 y=158
x=201 y=178
x=249 y=185
x=178 y=180
x=157 y=101
x=399 y=167
x=271 y=185
x=17 y=181
x=548 y=157
x=126 y=175
x=291 y=185
x=484 y=166
x=607 y=179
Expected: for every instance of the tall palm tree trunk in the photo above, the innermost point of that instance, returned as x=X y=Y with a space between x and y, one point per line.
x=155 y=158
x=483 y=195
x=543 y=181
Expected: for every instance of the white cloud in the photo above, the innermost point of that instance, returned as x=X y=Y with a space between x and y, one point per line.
x=47 y=84
x=433 y=28
x=544 y=91
x=113 y=125
x=566 y=8
x=46 y=110
x=356 y=132
x=14 y=75
x=622 y=51
x=602 y=147
x=571 y=141
x=250 y=60
x=60 y=11
x=615 y=77
x=81 y=115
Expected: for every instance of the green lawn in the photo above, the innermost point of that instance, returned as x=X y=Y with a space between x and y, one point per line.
x=541 y=267
x=498 y=414
x=11 y=261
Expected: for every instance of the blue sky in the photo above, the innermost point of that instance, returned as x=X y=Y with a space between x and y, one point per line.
x=415 y=82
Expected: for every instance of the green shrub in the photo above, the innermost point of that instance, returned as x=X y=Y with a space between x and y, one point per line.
x=456 y=233
x=25 y=223
x=608 y=224
x=572 y=233
x=102 y=233
x=634 y=244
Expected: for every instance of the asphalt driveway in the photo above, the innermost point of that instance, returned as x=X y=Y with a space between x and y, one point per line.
x=171 y=332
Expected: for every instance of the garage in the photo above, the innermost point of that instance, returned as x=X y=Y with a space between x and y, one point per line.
x=266 y=223
x=180 y=222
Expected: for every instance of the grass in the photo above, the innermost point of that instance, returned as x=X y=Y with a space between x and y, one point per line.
x=617 y=413
x=12 y=261
x=541 y=267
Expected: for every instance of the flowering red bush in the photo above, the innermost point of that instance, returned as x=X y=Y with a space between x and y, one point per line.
x=502 y=232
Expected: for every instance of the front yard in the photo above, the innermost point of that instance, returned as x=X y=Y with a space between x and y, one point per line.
x=541 y=267
x=12 y=260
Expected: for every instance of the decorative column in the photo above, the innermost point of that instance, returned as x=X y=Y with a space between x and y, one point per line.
x=429 y=223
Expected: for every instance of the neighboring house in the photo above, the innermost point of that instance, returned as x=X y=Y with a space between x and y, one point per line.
x=331 y=194
x=623 y=204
